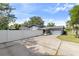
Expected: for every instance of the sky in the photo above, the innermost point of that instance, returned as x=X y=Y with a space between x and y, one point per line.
x=49 y=12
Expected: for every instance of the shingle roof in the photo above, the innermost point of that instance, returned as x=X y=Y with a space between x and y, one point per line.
x=55 y=27
x=36 y=25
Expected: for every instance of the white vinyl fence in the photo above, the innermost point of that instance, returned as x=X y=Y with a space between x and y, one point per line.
x=11 y=35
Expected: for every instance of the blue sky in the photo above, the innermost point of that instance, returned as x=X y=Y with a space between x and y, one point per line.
x=49 y=12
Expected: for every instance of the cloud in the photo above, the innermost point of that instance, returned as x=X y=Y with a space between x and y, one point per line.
x=77 y=4
x=65 y=7
x=23 y=9
x=59 y=7
x=28 y=8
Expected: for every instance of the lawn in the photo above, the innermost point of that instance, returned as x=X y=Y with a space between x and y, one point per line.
x=70 y=37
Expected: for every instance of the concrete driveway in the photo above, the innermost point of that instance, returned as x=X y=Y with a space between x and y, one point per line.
x=46 y=45
x=39 y=46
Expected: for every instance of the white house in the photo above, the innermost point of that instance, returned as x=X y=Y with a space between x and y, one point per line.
x=35 y=27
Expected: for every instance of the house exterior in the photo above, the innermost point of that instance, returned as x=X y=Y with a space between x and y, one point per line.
x=24 y=28
x=56 y=30
x=35 y=27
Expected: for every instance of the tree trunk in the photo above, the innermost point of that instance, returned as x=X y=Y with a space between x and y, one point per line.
x=77 y=33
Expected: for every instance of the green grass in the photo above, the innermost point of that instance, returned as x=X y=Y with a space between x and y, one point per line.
x=70 y=37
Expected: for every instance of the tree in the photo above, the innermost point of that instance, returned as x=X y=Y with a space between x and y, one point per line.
x=50 y=24
x=3 y=23
x=17 y=26
x=74 y=15
x=25 y=24
x=36 y=20
x=5 y=15
x=68 y=25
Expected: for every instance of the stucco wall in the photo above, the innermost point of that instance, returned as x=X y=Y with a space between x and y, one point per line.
x=11 y=35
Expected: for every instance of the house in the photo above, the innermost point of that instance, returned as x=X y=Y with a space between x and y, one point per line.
x=24 y=28
x=56 y=30
x=35 y=27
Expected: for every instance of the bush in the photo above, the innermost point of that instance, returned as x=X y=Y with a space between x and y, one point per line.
x=64 y=32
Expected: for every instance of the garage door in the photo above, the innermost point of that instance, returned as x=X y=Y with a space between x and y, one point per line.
x=57 y=32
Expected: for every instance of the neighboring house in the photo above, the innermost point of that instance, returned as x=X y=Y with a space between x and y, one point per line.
x=24 y=28
x=56 y=30
x=35 y=27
